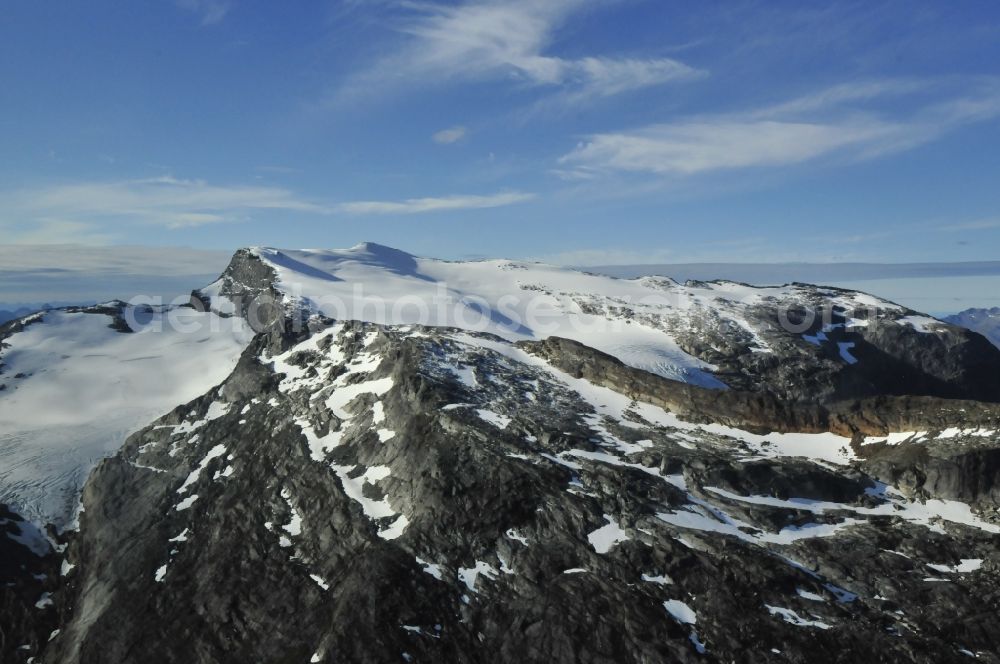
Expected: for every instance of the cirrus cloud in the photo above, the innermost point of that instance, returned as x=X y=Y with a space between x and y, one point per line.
x=493 y=41
x=86 y=211
x=97 y=212
x=442 y=204
x=837 y=122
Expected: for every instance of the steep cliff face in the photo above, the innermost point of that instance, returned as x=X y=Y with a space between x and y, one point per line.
x=245 y=289
x=396 y=490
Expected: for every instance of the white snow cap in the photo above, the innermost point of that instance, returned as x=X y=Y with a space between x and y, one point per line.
x=631 y=319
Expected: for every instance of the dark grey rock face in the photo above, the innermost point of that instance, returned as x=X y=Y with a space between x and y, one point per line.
x=29 y=572
x=379 y=494
x=245 y=278
x=813 y=343
x=248 y=283
x=966 y=472
x=887 y=358
x=949 y=362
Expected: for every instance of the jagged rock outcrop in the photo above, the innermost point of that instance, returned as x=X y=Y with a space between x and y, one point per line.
x=246 y=289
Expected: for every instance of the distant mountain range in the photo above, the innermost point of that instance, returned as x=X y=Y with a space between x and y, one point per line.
x=813 y=273
x=984 y=321
x=11 y=315
x=23 y=309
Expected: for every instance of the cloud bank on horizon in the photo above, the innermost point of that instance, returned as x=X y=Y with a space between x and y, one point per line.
x=578 y=132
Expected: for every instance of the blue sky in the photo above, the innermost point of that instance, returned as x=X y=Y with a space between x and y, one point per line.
x=608 y=131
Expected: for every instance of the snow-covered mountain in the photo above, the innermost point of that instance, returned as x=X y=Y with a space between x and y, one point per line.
x=984 y=321
x=362 y=455
x=795 y=340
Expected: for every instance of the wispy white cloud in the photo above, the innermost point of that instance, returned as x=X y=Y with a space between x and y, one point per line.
x=489 y=41
x=838 y=96
x=91 y=211
x=442 y=204
x=837 y=122
x=98 y=212
x=169 y=200
x=693 y=147
x=604 y=77
x=209 y=11
x=450 y=135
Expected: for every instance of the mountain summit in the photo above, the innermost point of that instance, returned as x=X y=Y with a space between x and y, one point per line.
x=796 y=341
x=367 y=456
